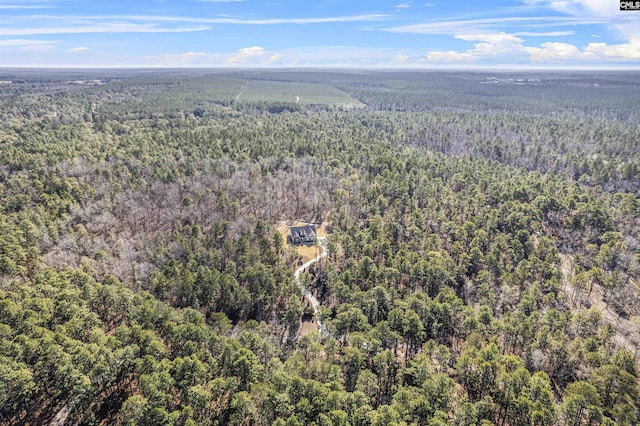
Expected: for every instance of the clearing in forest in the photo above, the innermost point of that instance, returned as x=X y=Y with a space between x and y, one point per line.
x=298 y=93
x=307 y=251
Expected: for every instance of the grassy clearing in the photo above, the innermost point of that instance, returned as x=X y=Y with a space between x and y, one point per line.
x=308 y=327
x=300 y=93
x=307 y=252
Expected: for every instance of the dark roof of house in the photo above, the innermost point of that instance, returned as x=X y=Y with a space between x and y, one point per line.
x=303 y=231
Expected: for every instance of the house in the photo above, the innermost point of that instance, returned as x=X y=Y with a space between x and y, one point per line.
x=302 y=234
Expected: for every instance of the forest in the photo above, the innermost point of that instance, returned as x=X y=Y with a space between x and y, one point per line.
x=483 y=239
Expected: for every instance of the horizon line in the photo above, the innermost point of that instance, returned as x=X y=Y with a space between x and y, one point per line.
x=326 y=67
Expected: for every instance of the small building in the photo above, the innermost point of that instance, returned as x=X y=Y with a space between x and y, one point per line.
x=302 y=234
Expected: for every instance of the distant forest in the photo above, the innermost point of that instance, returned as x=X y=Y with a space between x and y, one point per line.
x=483 y=247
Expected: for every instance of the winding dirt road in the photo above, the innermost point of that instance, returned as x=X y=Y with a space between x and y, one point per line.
x=310 y=297
x=246 y=84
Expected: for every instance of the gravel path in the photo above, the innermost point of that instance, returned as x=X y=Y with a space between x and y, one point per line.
x=310 y=297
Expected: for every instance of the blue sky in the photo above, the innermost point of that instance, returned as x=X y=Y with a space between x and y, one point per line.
x=323 y=33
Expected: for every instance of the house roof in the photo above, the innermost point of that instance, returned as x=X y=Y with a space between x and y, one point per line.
x=303 y=231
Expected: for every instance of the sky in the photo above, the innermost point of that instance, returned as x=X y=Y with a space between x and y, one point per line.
x=588 y=34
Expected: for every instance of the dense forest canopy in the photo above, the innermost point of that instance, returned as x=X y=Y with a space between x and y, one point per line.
x=483 y=250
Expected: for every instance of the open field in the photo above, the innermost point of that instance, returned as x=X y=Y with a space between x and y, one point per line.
x=297 y=93
x=308 y=327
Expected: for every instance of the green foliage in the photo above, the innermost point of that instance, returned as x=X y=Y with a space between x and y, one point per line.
x=477 y=230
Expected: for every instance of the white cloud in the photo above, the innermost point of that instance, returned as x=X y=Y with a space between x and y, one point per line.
x=500 y=38
x=113 y=27
x=25 y=42
x=193 y=59
x=512 y=48
x=506 y=39
x=491 y=25
x=56 y=24
x=600 y=8
x=554 y=51
x=247 y=54
x=23 y=6
x=157 y=19
x=623 y=51
x=449 y=56
x=626 y=24
x=23 y=45
x=274 y=58
x=281 y=21
x=316 y=56
x=543 y=34
x=339 y=56
x=192 y=55
x=405 y=5
x=79 y=49
x=488 y=46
